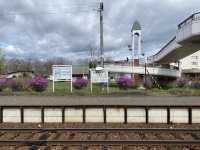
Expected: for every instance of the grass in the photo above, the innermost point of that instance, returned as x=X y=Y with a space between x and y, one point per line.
x=63 y=88
x=175 y=92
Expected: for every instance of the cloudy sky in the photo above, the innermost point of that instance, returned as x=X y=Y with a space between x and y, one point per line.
x=69 y=28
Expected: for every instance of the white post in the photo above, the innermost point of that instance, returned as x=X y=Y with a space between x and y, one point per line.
x=107 y=82
x=133 y=45
x=71 y=80
x=91 y=90
x=107 y=87
x=132 y=54
x=53 y=86
x=139 y=46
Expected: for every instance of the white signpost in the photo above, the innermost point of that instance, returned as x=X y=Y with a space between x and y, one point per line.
x=99 y=77
x=62 y=73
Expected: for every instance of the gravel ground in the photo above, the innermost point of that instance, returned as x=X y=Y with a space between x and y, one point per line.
x=96 y=125
x=100 y=136
x=100 y=148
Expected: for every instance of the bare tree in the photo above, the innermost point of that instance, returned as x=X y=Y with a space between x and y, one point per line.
x=2 y=61
x=38 y=66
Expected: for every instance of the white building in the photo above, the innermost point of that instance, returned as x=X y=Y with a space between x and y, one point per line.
x=190 y=65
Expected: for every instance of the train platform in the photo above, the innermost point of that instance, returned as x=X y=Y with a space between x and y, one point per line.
x=97 y=101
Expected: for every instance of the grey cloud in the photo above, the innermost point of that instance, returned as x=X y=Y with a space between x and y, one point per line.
x=68 y=28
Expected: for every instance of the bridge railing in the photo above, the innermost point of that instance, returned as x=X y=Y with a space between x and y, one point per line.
x=193 y=17
x=189 y=27
x=141 y=70
x=162 y=52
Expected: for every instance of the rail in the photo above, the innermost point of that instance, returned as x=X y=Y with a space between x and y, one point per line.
x=99 y=142
x=21 y=130
x=45 y=141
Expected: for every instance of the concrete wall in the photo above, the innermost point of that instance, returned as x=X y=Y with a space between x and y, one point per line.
x=157 y=115
x=136 y=115
x=94 y=115
x=32 y=115
x=179 y=115
x=195 y=115
x=115 y=115
x=11 y=115
x=73 y=115
x=52 y=115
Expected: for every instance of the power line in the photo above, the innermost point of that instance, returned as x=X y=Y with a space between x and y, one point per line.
x=72 y=8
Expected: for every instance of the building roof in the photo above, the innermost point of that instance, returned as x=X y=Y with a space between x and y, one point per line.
x=80 y=69
x=136 y=26
x=21 y=71
x=4 y=75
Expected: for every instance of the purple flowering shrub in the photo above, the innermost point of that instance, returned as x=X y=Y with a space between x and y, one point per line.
x=195 y=85
x=38 y=83
x=3 y=83
x=14 y=85
x=181 y=82
x=79 y=83
x=124 y=82
x=18 y=84
x=148 y=83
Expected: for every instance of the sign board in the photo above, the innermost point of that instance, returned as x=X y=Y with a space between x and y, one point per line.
x=62 y=73
x=99 y=77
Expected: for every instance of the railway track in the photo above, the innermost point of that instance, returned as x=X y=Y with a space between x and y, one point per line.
x=98 y=142
x=101 y=138
x=100 y=129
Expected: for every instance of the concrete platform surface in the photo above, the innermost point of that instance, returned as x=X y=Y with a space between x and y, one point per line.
x=99 y=100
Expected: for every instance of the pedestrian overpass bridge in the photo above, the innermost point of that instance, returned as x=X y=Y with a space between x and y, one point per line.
x=186 y=42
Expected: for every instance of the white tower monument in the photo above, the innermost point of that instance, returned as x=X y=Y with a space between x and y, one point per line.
x=136 y=42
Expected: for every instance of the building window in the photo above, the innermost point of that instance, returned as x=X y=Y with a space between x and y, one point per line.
x=195 y=57
x=195 y=63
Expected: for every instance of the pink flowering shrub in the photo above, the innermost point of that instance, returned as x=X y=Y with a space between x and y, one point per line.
x=38 y=83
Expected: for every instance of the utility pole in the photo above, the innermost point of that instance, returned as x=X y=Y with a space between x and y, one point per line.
x=101 y=34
